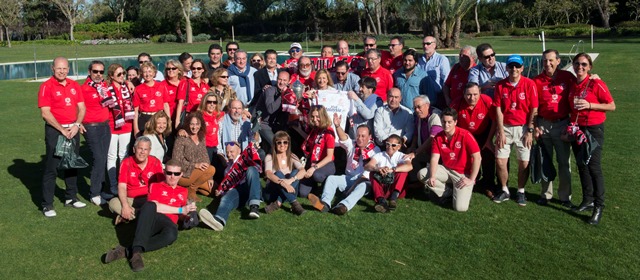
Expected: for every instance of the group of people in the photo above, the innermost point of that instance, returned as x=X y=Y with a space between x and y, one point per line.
x=214 y=128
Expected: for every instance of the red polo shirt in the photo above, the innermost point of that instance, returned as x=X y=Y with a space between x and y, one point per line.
x=128 y=125
x=167 y=195
x=391 y=63
x=213 y=128
x=594 y=91
x=138 y=180
x=456 y=154
x=457 y=80
x=149 y=98
x=384 y=81
x=515 y=102
x=95 y=112
x=171 y=96
x=319 y=154
x=553 y=94
x=61 y=99
x=474 y=120
x=196 y=92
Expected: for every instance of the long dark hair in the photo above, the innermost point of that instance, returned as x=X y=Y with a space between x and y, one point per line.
x=203 y=126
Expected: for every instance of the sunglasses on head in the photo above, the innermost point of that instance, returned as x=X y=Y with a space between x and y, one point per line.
x=282 y=142
x=97 y=71
x=171 y=68
x=392 y=144
x=169 y=173
x=212 y=101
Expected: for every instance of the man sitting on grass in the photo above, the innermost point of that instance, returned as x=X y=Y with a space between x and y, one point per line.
x=389 y=171
x=157 y=221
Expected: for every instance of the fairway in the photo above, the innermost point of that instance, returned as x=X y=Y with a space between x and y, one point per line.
x=420 y=240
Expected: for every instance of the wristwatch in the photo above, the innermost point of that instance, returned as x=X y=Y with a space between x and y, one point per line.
x=530 y=129
x=77 y=124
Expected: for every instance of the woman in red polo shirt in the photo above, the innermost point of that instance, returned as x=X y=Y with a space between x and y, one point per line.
x=318 y=150
x=191 y=90
x=173 y=74
x=148 y=98
x=590 y=99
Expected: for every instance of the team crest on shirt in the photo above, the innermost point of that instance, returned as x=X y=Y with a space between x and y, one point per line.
x=464 y=116
x=458 y=145
x=522 y=96
x=472 y=124
x=199 y=96
x=513 y=106
x=73 y=91
x=67 y=101
x=158 y=94
x=481 y=116
x=152 y=102
x=444 y=145
x=554 y=98
x=452 y=155
x=193 y=89
x=377 y=79
x=171 y=201
x=149 y=174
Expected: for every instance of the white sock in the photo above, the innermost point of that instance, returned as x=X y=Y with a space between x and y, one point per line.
x=505 y=189
x=521 y=190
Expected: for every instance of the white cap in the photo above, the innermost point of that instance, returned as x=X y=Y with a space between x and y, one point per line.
x=295 y=45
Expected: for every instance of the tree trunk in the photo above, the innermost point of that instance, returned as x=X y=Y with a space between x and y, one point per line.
x=2 y=35
x=455 y=40
x=71 y=25
x=476 y=17
x=371 y=22
x=378 y=10
x=6 y=28
x=359 y=17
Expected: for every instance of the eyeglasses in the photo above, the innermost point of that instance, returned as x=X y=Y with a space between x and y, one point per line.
x=142 y=61
x=196 y=68
x=393 y=45
x=418 y=106
x=295 y=50
x=282 y=142
x=119 y=74
x=491 y=55
x=428 y=43
x=171 y=68
x=169 y=173
x=231 y=50
x=583 y=64
x=341 y=73
x=372 y=58
x=97 y=71
x=305 y=64
x=256 y=60
x=212 y=101
x=392 y=144
x=513 y=66
x=370 y=45
x=224 y=77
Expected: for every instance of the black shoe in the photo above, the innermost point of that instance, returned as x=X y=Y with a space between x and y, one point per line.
x=119 y=252
x=136 y=262
x=596 y=216
x=584 y=206
x=381 y=206
x=567 y=204
x=393 y=204
x=253 y=212
x=543 y=201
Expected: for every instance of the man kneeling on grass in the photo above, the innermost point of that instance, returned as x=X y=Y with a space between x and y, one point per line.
x=388 y=172
x=157 y=221
x=240 y=185
x=460 y=156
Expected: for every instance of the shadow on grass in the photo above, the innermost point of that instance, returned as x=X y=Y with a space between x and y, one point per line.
x=30 y=175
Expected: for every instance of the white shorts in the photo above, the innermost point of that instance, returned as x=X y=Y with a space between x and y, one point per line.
x=513 y=134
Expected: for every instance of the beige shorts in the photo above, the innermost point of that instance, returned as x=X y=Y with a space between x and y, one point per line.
x=513 y=134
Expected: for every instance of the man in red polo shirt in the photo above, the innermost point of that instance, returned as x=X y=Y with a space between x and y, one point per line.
x=516 y=104
x=461 y=159
x=476 y=115
x=383 y=77
x=553 y=87
x=157 y=222
x=392 y=60
x=454 y=86
x=62 y=107
x=136 y=173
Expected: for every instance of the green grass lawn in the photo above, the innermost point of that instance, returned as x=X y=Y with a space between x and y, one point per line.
x=418 y=241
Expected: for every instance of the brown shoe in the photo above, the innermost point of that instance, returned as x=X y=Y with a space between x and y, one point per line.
x=115 y=254
x=317 y=203
x=136 y=262
x=296 y=208
x=273 y=206
x=340 y=209
x=192 y=194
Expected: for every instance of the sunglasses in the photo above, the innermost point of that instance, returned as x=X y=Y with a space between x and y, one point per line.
x=171 y=68
x=142 y=61
x=491 y=55
x=282 y=142
x=294 y=50
x=583 y=64
x=224 y=77
x=305 y=65
x=196 y=68
x=97 y=72
x=370 y=45
x=169 y=173
x=212 y=101
x=316 y=106
x=341 y=73
x=392 y=145
x=231 y=50
x=393 y=45
x=119 y=74
x=513 y=66
x=256 y=60
x=428 y=43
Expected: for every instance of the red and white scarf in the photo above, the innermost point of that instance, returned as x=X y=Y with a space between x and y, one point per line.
x=317 y=146
x=122 y=109
x=238 y=171
x=106 y=100
x=366 y=153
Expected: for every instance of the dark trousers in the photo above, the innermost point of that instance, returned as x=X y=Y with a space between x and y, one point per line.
x=154 y=230
x=70 y=176
x=591 y=177
x=488 y=164
x=142 y=122
x=98 y=138
x=308 y=185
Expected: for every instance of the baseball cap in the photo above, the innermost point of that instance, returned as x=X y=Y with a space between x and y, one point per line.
x=514 y=58
x=295 y=45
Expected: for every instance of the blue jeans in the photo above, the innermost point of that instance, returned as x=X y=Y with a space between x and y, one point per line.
x=353 y=192
x=98 y=138
x=249 y=191
x=277 y=192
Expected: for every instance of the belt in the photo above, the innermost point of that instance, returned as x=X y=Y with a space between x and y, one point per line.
x=96 y=123
x=149 y=113
x=67 y=125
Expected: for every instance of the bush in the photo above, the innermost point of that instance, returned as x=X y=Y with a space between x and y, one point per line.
x=167 y=38
x=628 y=24
x=108 y=29
x=202 y=37
x=57 y=42
x=114 y=41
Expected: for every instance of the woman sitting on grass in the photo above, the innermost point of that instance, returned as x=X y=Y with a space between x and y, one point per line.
x=284 y=171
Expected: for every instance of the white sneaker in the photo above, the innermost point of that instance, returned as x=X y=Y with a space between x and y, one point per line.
x=209 y=220
x=49 y=212
x=98 y=200
x=74 y=203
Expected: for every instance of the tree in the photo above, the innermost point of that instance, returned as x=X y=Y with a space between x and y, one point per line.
x=634 y=5
x=73 y=10
x=442 y=19
x=9 y=16
x=605 y=9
